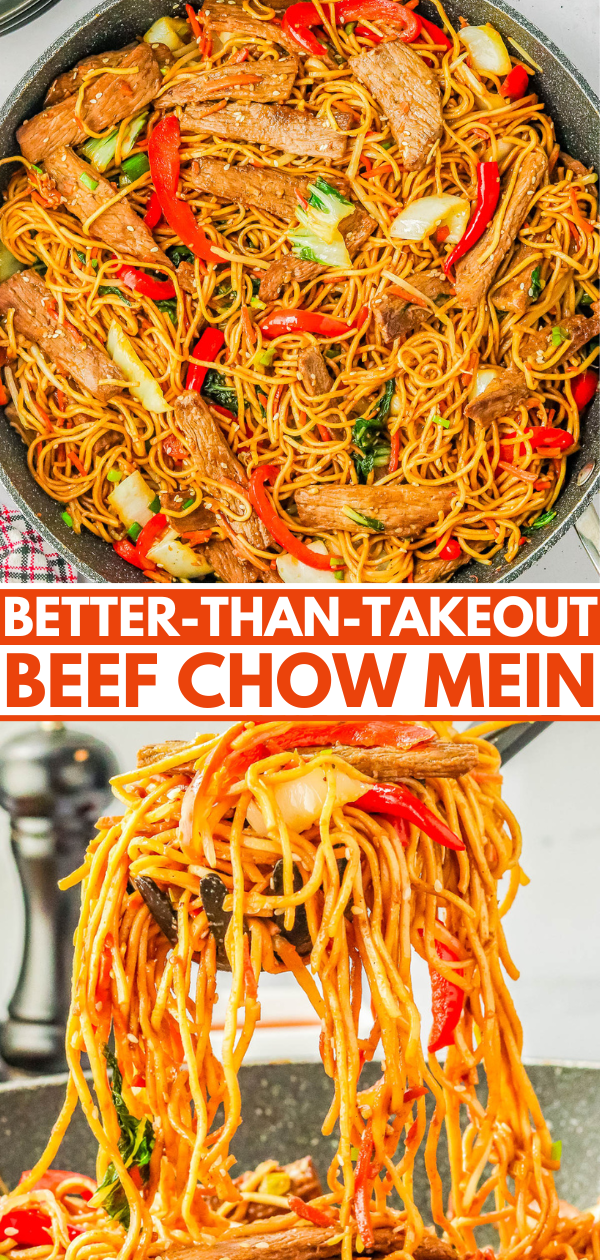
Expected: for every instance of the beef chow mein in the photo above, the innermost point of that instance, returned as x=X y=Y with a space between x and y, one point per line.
x=300 y=293
x=333 y=851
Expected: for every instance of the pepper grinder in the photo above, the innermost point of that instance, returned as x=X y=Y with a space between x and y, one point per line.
x=54 y=783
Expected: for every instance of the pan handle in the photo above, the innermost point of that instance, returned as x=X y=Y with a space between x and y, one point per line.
x=588 y=528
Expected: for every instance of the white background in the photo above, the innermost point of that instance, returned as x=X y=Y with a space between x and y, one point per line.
x=573 y=26
x=553 y=929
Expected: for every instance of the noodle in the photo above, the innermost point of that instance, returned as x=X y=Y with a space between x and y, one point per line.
x=75 y=441
x=210 y=808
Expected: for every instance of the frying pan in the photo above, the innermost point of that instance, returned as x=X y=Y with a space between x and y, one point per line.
x=576 y=112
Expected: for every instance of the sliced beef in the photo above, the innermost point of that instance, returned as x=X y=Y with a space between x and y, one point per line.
x=475 y=272
x=313 y=372
x=214 y=458
x=275 y=83
x=403 y=510
x=579 y=328
x=278 y=126
x=356 y=229
x=396 y=317
x=513 y=295
x=108 y=99
x=119 y=227
x=573 y=164
x=502 y=396
x=437 y=570
x=70 y=82
x=409 y=95
x=64 y=346
x=221 y=18
x=307 y=1242
x=218 y=552
x=267 y=189
x=443 y=760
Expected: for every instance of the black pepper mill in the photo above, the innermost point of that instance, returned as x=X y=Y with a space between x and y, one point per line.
x=54 y=785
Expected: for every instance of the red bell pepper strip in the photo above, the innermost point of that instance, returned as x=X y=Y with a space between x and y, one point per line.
x=264 y=509
x=307 y=1212
x=153 y=213
x=362 y=1177
x=150 y=533
x=32 y=1228
x=584 y=387
x=223 y=411
x=418 y=1092
x=163 y=155
x=368 y=733
x=193 y=21
x=54 y=1178
x=289 y=321
x=437 y=34
x=147 y=286
x=515 y=84
x=447 y=1002
x=380 y=11
x=365 y=32
x=126 y=550
x=451 y=551
x=488 y=192
x=394 y=452
x=395 y=799
x=558 y=439
x=297 y=21
x=207 y=347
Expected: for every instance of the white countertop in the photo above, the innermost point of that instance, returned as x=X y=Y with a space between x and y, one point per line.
x=572 y=25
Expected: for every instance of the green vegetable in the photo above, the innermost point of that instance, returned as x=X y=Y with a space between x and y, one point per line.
x=180 y=253
x=105 y=290
x=217 y=391
x=187 y=504
x=319 y=239
x=338 y=573
x=114 y=475
x=39 y=169
x=8 y=263
x=310 y=248
x=132 y=168
x=39 y=266
x=83 y=259
x=155 y=505
x=350 y=28
x=536 y=285
x=134 y=531
x=370 y=522
x=559 y=335
x=169 y=306
x=368 y=436
x=101 y=152
x=585 y=300
x=266 y=357
x=135 y=1147
x=88 y=181
x=542 y=520
x=443 y=421
x=333 y=350
x=556 y=1150
x=257 y=304
x=255 y=282
x=387 y=144
x=68 y=519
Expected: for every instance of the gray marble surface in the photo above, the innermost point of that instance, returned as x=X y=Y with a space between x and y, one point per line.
x=572 y=25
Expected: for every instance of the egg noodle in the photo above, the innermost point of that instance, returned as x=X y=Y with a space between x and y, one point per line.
x=75 y=441
x=187 y=816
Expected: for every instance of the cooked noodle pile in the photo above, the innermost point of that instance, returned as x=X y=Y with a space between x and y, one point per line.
x=187 y=817
x=75 y=440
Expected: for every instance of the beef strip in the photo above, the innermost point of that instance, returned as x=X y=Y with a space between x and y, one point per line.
x=219 y=553
x=304 y=1183
x=573 y=164
x=221 y=18
x=119 y=227
x=65 y=347
x=215 y=459
x=396 y=316
x=404 y=510
x=474 y=272
x=313 y=372
x=502 y=396
x=305 y=1242
x=356 y=229
x=579 y=329
x=107 y=100
x=278 y=126
x=409 y=95
x=70 y=82
x=267 y=189
x=276 y=80
x=437 y=570
x=513 y=295
x=442 y=760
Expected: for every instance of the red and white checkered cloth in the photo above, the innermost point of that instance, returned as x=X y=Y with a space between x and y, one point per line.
x=25 y=556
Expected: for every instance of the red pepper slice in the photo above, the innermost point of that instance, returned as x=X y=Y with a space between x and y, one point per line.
x=365 y=32
x=515 y=84
x=149 y=534
x=223 y=411
x=288 y=321
x=584 y=387
x=173 y=447
x=153 y=213
x=54 y=1178
x=451 y=551
x=297 y=21
x=447 y=1002
x=362 y=734
x=163 y=155
x=394 y=452
x=437 y=34
x=361 y=1188
x=395 y=799
x=193 y=21
x=309 y=1213
x=207 y=347
x=264 y=508
x=31 y=1225
x=380 y=11
x=488 y=192
x=538 y=437
x=147 y=286
x=418 y=1092
x=126 y=550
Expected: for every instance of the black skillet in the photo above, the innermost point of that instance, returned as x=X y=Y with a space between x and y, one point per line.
x=576 y=111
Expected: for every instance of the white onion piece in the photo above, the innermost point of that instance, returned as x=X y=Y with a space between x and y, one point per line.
x=292 y=570
x=301 y=800
x=483 y=98
x=487 y=50
x=483 y=379
x=421 y=217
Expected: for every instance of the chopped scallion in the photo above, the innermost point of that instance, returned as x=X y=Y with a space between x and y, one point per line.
x=188 y=503
x=443 y=421
x=266 y=357
x=559 y=335
x=88 y=181
x=542 y=520
x=370 y=522
x=114 y=474
x=134 y=531
x=556 y=1150
x=68 y=519
x=155 y=505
